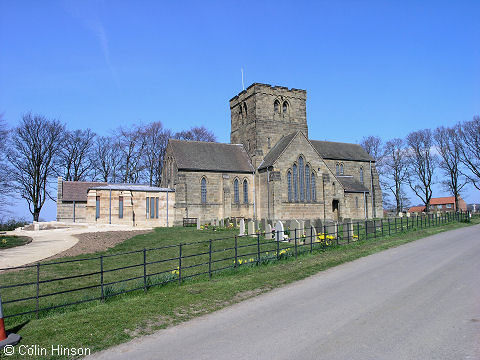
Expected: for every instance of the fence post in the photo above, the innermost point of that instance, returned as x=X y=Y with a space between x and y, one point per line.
x=381 y=224
x=210 y=259
x=295 y=243
x=336 y=232
x=366 y=234
x=144 y=270
x=401 y=224
x=389 y=227
x=236 y=252
x=374 y=229
x=180 y=263
x=258 y=248
x=38 y=290
x=101 y=278
x=358 y=230
x=278 y=245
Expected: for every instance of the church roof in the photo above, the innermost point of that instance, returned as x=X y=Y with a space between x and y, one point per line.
x=350 y=184
x=341 y=151
x=210 y=156
x=276 y=151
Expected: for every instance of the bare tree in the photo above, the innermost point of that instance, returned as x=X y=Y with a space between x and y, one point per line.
x=75 y=160
x=448 y=146
x=156 y=140
x=132 y=144
x=395 y=171
x=5 y=186
x=32 y=153
x=105 y=159
x=196 y=133
x=374 y=147
x=469 y=145
x=422 y=163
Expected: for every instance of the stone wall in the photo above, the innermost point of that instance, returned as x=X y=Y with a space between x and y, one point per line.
x=134 y=208
x=220 y=196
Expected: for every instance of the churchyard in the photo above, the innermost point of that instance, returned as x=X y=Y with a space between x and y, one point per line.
x=124 y=316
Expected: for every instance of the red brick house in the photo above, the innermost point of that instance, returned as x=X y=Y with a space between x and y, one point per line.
x=442 y=204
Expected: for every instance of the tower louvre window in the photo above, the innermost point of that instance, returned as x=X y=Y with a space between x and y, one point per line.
x=285 y=107
x=276 y=107
x=361 y=175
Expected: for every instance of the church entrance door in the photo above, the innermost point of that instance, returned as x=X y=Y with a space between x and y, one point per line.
x=335 y=210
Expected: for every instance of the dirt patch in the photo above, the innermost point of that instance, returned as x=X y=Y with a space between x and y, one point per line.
x=150 y=326
x=98 y=241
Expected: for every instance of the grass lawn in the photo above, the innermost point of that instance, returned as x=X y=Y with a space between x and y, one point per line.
x=101 y=325
x=9 y=241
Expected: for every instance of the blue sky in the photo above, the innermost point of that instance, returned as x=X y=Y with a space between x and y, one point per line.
x=369 y=67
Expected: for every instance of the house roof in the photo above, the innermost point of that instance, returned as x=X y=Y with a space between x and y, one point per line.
x=341 y=151
x=350 y=184
x=276 y=151
x=77 y=190
x=210 y=156
x=416 y=209
x=442 y=200
x=132 y=187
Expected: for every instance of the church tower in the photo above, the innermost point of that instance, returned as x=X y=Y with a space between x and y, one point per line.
x=262 y=114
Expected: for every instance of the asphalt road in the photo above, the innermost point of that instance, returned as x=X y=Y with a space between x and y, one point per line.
x=417 y=301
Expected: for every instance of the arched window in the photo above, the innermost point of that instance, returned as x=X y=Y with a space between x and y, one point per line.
x=245 y=108
x=337 y=169
x=307 y=182
x=295 y=183
x=285 y=107
x=361 y=175
x=289 y=184
x=301 y=178
x=235 y=191
x=276 y=107
x=314 y=189
x=341 y=169
x=204 y=191
x=245 y=191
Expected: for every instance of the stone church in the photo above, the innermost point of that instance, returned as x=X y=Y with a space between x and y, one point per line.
x=271 y=169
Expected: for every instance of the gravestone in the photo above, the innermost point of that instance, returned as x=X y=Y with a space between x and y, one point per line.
x=279 y=231
x=301 y=227
x=311 y=235
x=268 y=231
x=288 y=224
x=347 y=229
x=400 y=214
x=222 y=223
x=308 y=224
x=295 y=224
x=263 y=224
x=408 y=214
x=370 y=227
x=330 y=228
x=251 y=228
x=256 y=226
x=242 y=227
x=198 y=223
x=235 y=222
x=318 y=225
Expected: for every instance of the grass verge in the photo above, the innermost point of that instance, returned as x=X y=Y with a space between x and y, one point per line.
x=125 y=317
x=9 y=241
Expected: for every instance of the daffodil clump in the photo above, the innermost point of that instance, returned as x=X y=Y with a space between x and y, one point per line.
x=4 y=241
x=176 y=271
